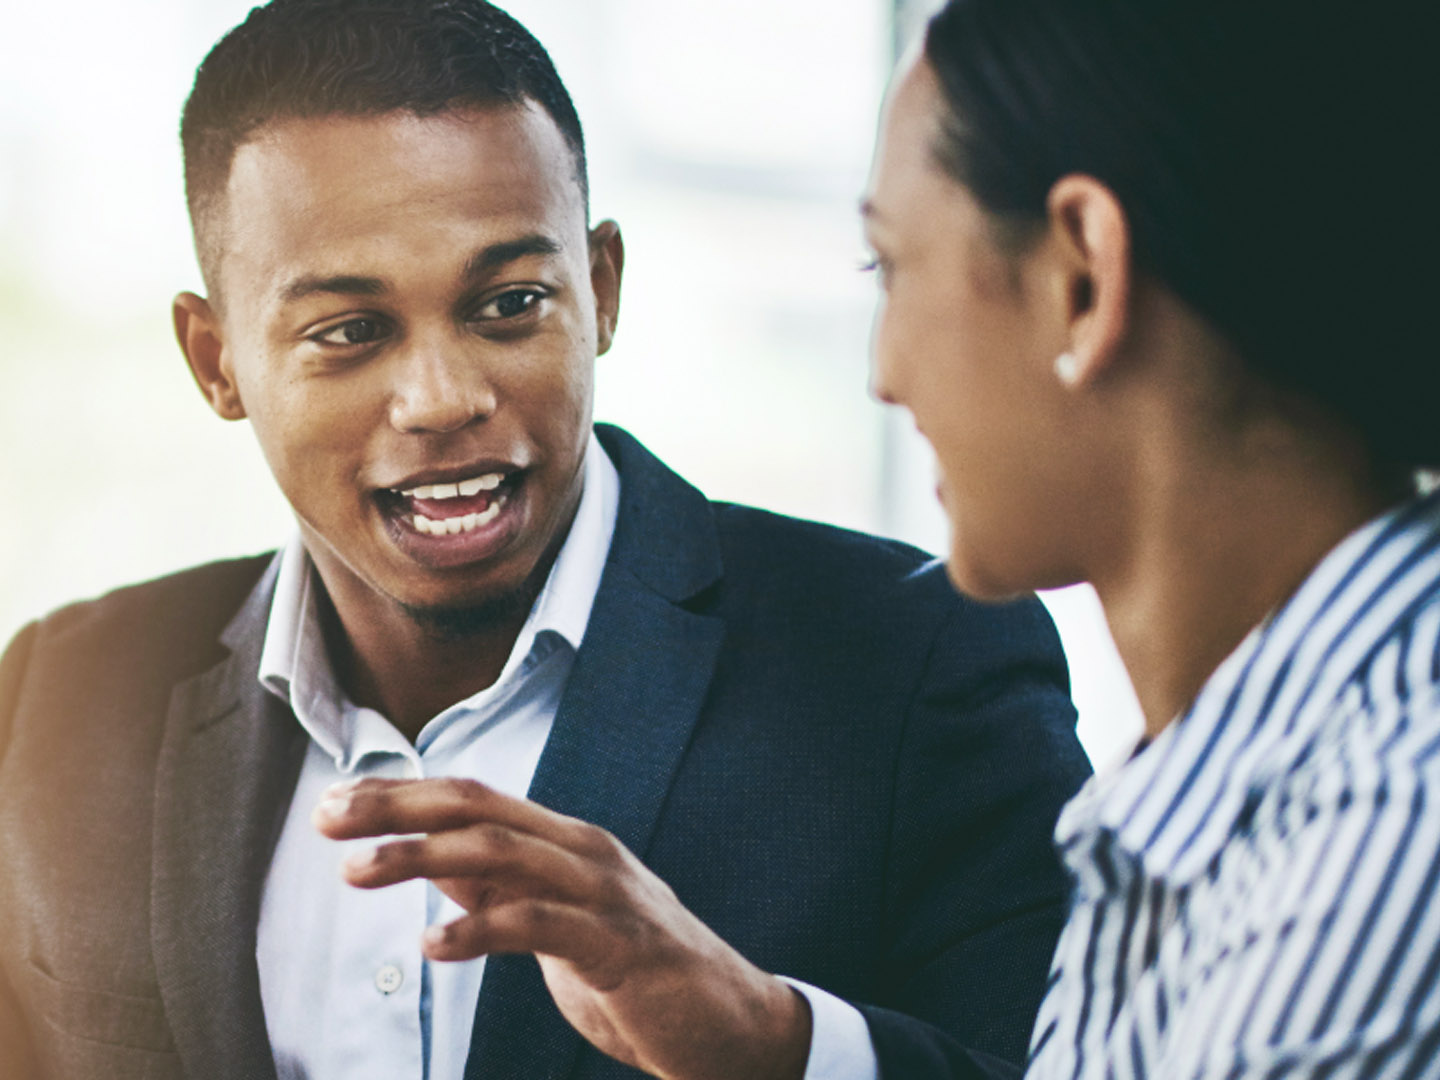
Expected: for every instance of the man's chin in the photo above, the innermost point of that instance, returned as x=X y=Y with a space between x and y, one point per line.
x=472 y=619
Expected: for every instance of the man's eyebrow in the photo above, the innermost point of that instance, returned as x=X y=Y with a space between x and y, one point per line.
x=342 y=284
x=481 y=263
x=507 y=251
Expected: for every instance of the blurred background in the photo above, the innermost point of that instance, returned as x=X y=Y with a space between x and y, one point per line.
x=731 y=141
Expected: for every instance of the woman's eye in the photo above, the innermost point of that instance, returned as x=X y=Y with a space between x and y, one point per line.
x=353 y=332
x=508 y=305
x=878 y=266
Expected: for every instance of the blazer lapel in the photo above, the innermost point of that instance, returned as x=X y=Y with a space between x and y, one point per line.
x=627 y=715
x=228 y=766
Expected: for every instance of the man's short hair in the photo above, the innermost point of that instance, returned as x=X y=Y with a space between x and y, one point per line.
x=312 y=58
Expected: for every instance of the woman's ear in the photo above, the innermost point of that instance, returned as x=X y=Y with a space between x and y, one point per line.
x=1092 y=234
x=197 y=328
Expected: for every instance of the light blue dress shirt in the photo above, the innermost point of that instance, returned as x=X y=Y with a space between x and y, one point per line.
x=346 y=991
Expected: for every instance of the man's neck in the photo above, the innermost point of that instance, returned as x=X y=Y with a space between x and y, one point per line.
x=410 y=673
x=410 y=665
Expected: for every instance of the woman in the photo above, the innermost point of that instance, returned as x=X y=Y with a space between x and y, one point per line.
x=1154 y=281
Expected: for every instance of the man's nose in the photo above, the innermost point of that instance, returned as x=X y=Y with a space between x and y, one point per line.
x=440 y=387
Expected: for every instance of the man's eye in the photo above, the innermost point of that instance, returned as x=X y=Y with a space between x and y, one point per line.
x=508 y=305
x=353 y=332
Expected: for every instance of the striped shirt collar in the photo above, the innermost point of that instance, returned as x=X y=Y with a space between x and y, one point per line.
x=1175 y=804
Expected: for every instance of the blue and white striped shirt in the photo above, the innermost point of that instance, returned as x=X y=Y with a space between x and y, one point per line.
x=1256 y=891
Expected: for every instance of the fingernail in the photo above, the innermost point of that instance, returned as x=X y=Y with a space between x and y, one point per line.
x=435 y=935
x=359 y=860
x=333 y=806
x=343 y=787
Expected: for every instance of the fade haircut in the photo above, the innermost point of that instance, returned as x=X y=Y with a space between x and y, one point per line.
x=293 y=59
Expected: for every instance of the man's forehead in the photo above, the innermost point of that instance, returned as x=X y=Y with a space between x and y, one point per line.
x=304 y=180
x=521 y=137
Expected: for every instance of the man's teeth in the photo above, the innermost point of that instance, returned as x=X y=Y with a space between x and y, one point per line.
x=448 y=526
x=465 y=488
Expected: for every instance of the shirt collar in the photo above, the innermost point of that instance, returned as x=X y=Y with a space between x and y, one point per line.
x=1175 y=804
x=295 y=666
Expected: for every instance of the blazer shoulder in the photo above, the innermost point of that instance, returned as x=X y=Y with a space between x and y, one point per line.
x=175 y=620
x=869 y=575
x=13 y=665
x=749 y=536
x=128 y=645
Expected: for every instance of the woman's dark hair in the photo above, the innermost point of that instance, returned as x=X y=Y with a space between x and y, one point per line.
x=307 y=58
x=1271 y=159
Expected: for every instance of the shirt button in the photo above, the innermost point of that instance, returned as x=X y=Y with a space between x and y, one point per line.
x=388 y=979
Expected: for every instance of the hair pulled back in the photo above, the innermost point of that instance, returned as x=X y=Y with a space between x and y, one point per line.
x=1272 y=160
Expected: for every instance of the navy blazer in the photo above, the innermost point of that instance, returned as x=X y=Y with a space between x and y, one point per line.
x=845 y=769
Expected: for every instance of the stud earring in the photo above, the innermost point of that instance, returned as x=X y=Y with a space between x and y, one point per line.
x=1067 y=368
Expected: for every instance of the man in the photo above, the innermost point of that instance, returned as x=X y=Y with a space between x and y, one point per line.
x=750 y=744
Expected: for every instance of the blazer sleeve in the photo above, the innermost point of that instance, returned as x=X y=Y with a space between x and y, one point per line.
x=16 y=1051
x=975 y=890
x=17 y=1058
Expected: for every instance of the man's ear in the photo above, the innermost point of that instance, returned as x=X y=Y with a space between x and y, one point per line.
x=197 y=328
x=1092 y=234
x=607 y=263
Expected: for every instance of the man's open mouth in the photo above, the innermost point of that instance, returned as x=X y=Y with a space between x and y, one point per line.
x=448 y=509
